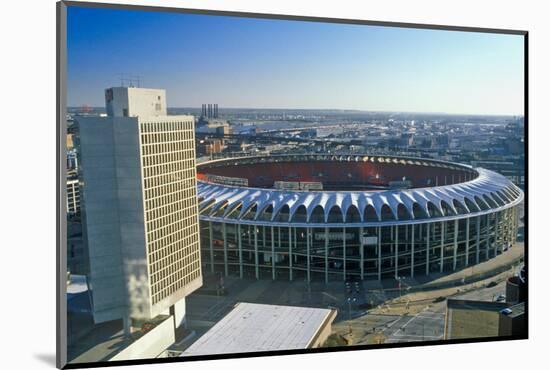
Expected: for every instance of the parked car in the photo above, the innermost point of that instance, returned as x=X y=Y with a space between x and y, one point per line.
x=506 y=311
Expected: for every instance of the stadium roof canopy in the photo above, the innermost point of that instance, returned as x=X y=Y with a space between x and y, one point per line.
x=486 y=192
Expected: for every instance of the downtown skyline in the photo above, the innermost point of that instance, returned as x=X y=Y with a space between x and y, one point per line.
x=281 y=64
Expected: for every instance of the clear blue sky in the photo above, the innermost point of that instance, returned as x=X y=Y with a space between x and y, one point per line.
x=260 y=63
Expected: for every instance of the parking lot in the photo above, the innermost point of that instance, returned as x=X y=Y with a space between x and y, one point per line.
x=424 y=326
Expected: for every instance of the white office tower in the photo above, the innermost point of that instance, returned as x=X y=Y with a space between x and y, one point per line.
x=139 y=207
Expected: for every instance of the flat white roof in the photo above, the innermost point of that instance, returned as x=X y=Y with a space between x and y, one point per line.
x=251 y=327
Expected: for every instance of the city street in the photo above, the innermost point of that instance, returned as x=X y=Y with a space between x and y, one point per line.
x=424 y=326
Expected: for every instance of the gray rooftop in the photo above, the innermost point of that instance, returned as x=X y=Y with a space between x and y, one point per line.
x=251 y=327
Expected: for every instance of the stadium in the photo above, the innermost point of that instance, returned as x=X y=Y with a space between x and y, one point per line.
x=336 y=217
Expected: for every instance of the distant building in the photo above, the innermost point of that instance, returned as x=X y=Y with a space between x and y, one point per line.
x=224 y=130
x=209 y=111
x=70 y=141
x=72 y=160
x=77 y=256
x=214 y=147
x=404 y=141
x=251 y=130
x=329 y=131
x=454 y=143
x=425 y=142
x=209 y=125
x=209 y=147
x=73 y=197
x=139 y=207
x=308 y=133
x=407 y=138
x=236 y=147
x=442 y=141
x=514 y=146
x=514 y=170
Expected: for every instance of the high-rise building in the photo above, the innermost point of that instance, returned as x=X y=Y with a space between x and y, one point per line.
x=72 y=160
x=139 y=207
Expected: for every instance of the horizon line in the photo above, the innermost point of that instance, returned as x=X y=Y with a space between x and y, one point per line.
x=335 y=109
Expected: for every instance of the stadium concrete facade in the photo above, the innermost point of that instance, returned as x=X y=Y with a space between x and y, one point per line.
x=334 y=217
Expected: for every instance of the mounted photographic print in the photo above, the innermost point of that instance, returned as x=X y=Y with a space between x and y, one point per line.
x=234 y=184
